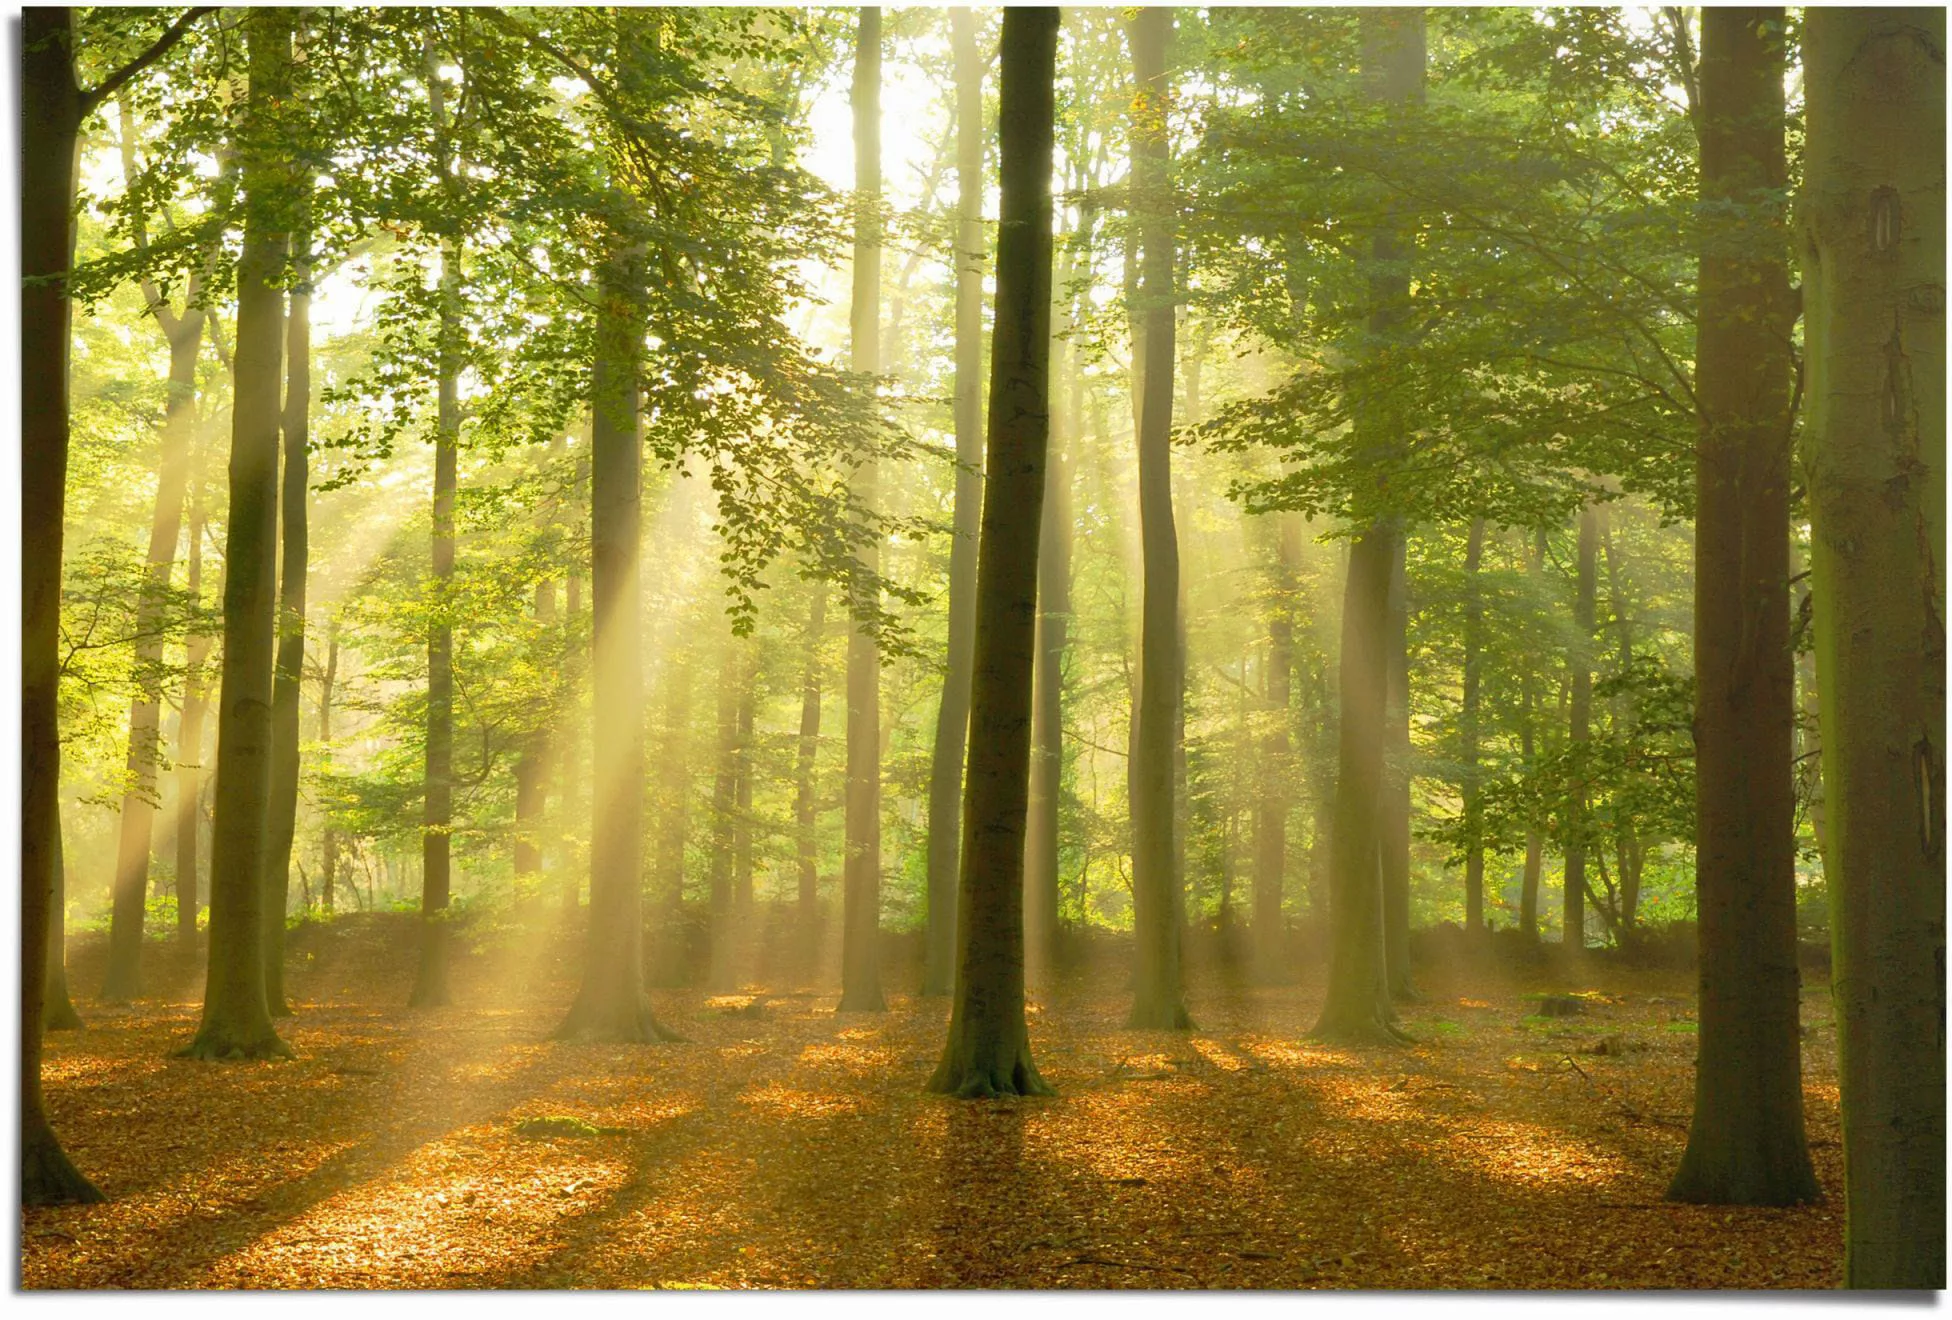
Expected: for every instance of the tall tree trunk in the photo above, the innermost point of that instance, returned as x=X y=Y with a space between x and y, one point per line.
x=574 y=763
x=329 y=842
x=1873 y=267
x=612 y=1003
x=1573 y=922
x=1358 y=1002
x=58 y=1012
x=430 y=989
x=1468 y=732
x=860 y=960
x=1396 y=778
x=532 y=778
x=236 y=1018
x=1271 y=810
x=1746 y=1144
x=806 y=817
x=1528 y=885
x=988 y=1048
x=189 y=730
x=290 y=671
x=952 y=714
x=1158 y=999
x=123 y=978
x=673 y=801
x=723 y=973
x=1053 y=637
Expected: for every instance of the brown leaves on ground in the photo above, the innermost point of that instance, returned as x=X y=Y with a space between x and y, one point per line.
x=793 y=1148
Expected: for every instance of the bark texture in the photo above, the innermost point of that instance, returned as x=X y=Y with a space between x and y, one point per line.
x=1579 y=718
x=860 y=959
x=988 y=1049
x=952 y=714
x=1874 y=307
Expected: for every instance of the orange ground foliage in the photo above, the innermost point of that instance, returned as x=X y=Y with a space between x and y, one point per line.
x=787 y=1147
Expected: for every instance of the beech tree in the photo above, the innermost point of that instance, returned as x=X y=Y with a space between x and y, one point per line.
x=988 y=1049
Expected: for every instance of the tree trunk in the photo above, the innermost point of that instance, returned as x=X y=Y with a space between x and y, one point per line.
x=723 y=973
x=1358 y=1001
x=1271 y=810
x=532 y=779
x=1158 y=999
x=1468 y=733
x=668 y=963
x=1396 y=779
x=612 y=1004
x=1874 y=259
x=290 y=671
x=988 y=1048
x=860 y=964
x=952 y=714
x=574 y=762
x=806 y=817
x=1528 y=885
x=430 y=989
x=236 y=1018
x=123 y=978
x=1573 y=923
x=329 y=843
x=1746 y=1144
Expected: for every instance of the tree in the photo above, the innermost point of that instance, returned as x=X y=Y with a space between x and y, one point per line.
x=860 y=969
x=189 y=729
x=806 y=837
x=236 y=1019
x=1158 y=1000
x=1572 y=936
x=184 y=334
x=1468 y=732
x=1873 y=229
x=988 y=1048
x=1395 y=839
x=1745 y=1143
x=1271 y=810
x=952 y=714
x=290 y=662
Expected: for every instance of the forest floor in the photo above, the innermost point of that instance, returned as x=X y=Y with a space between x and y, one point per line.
x=783 y=1146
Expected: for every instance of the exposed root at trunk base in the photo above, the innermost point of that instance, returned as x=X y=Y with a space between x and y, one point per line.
x=614 y=1024
x=1160 y=1017
x=60 y=1015
x=993 y=1080
x=862 y=1002
x=223 y=1044
x=1370 y=1029
x=48 y=1176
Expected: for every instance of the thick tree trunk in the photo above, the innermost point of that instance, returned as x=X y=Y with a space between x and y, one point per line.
x=1396 y=779
x=1874 y=304
x=1573 y=921
x=1158 y=999
x=860 y=959
x=1746 y=1144
x=612 y=1004
x=806 y=818
x=952 y=715
x=291 y=634
x=988 y=1049
x=1271 y=808
x=236 y=1019
x=1468 y=732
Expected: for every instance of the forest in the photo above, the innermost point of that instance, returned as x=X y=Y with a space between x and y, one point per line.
x=1086 y=648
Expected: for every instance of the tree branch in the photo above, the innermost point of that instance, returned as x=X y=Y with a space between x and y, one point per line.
x=160 y=47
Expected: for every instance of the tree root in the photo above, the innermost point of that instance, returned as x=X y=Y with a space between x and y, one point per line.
x=221 y=1044
x=48 y=1177
x=605 y=1025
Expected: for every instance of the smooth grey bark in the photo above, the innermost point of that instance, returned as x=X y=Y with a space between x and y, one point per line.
x=987 y=1052
x=952 y=714
x=236 y=1018
x=1158 y=1000
x=1873 y=231
x=860 y=962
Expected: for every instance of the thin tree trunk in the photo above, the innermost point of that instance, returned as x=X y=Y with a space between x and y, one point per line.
x=290 y=670
x=1158 y=999
x=532 y=778
x=806 y=818
x=1874 y=305
x=988 y=1048
x=330 y=841
x=668 y=964
x=1573 y=922
x=1271 y=810
x=860 y=967
x=573 y=761
x=1395 y=843
x=952 y=714
x=189 y=732
x=723 y=974
x=1528 y=885
x=1468 y=732
x=236 y=1018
